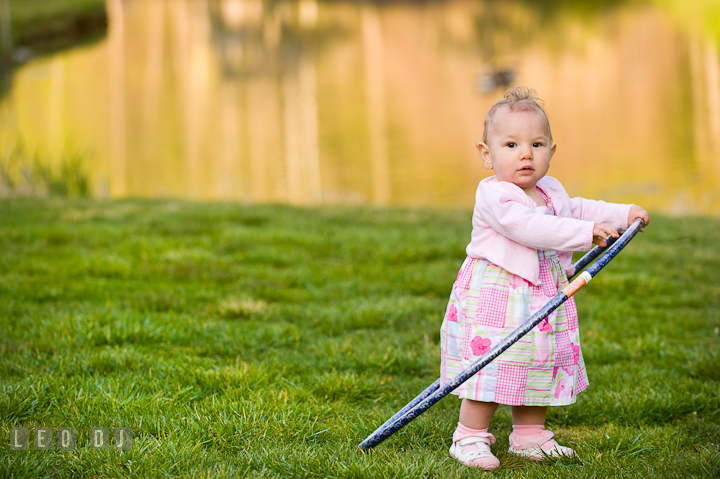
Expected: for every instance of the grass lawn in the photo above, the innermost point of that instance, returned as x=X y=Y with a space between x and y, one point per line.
x=267 y=341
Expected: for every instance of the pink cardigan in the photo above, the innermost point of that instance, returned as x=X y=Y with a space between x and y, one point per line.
x=508 y=231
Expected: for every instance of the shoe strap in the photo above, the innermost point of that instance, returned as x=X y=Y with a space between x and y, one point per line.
x=484 y=437
x=482 y=447
x=527 y=442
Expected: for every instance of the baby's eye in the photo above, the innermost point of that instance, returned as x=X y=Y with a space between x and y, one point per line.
x=511 y=144
x=537 y=144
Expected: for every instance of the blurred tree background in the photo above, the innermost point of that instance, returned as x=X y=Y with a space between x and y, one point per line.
x=46 y=25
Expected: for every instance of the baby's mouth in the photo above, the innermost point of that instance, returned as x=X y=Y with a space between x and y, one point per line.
x=527 y=168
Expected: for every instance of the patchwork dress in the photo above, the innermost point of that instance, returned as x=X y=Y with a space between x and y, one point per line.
x=487 y=303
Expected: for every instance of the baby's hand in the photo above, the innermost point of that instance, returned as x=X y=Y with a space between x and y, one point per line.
x=638 y=212
x=601 y=232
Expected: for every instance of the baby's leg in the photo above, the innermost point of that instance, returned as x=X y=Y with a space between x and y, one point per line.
x=529 y=439
x=477 y=414
x=529 y=415
x=471 y=440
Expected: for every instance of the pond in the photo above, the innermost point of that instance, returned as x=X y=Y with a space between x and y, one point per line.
x=309 y=102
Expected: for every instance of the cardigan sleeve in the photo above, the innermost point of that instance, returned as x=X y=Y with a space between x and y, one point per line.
x=614 y=214
x=507 y=214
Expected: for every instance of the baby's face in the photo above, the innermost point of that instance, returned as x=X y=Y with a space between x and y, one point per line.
x=518 y=147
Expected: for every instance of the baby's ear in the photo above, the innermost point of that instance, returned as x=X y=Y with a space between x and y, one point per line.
x=553 y=147
x=484 y=151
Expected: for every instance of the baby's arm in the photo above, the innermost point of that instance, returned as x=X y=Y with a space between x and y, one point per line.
x=516 y=221
x=602 y=231
x=613 y=215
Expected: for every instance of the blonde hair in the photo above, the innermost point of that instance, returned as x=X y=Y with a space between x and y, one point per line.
x=521 y=98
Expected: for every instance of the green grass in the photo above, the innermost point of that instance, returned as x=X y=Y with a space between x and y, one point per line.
x=48 y=25
x=267 y=341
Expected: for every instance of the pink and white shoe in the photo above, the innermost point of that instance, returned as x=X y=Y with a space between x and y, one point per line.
x=474 y=451
x=538 y=447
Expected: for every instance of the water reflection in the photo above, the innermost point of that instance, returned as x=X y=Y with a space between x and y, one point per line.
x=310 y=102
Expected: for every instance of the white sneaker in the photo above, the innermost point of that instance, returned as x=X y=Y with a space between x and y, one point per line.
x=532 y=446
x=480 y=457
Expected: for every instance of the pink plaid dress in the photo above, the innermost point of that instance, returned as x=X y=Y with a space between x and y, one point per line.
x=487 y=303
